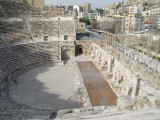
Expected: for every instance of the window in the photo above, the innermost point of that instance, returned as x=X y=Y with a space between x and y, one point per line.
x=65 y=37
x=45 y=38
x=81 y=25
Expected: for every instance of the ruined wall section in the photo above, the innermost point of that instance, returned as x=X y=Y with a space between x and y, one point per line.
x=87 y=45
x=131 y=87
x=67 y=28
x=153 y=76
x=17 y=57
x=38 y=29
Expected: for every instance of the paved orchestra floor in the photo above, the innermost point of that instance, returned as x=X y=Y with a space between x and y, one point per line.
x=47 y=87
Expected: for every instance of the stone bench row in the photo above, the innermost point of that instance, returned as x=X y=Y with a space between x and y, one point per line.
x=10 y=108
x=141 y=58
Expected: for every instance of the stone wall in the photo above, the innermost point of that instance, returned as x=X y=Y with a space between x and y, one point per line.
x=15 y=30
x=86 y=45
x=112 y=24
x=80 y=26
x=18 y=56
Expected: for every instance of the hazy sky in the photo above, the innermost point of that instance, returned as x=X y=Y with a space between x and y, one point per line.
x=94 y=3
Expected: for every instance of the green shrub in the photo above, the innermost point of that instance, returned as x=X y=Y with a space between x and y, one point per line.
x=140 y=51
x=154 y=57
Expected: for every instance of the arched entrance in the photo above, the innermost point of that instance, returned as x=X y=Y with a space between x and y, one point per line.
x=66 y=54
x=79 y=49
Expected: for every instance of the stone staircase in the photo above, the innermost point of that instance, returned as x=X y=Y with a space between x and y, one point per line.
x=49 y=51
x=15 y=60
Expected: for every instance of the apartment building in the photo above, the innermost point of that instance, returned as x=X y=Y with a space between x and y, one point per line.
x=77 y=8
x=91 y=16
x=133 y=23
x=121 y=23
x=82 y=10
x=153 y=15
x=86 y=8
x=136 y=9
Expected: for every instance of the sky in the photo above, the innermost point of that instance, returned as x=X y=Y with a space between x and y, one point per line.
x=94 y=3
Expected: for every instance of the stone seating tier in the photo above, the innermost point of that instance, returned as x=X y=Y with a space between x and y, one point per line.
x=16 y=59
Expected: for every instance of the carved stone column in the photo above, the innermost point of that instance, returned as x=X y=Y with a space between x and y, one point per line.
x=135 y=86
x=114 y=75
x=109 y=64
x=118 y=77
x=96 y=52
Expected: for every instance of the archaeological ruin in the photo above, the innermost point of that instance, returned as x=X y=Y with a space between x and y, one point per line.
x=46 y=74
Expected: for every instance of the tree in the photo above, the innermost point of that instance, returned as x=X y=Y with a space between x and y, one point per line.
x=118 y=6
x=81 y=20
x=94 y=24
x=100 y=11
x=145 y=4
x=85 y=20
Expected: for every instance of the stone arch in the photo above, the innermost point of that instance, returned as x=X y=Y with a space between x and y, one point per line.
x=66 y=54
x=79 y=49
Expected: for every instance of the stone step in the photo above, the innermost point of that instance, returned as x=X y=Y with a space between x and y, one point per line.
x=126 y=115
x=74 y=113
x=132 y=115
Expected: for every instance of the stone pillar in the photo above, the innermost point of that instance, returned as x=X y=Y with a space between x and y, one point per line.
x=109 y=64
x=128 y=89
x=114 y=75
x=99 y=54
x=107 y=38
x=135 y=86
x=96 y=53
x=115 y=41
x=103 y=60
x=118 y=78
x=105 y=35
x=110 y=39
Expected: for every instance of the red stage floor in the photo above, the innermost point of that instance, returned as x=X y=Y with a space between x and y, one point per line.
x=99 y=91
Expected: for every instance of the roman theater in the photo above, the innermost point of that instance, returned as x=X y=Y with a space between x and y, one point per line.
x=46 y=74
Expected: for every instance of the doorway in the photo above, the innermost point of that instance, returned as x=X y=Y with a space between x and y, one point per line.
x=79 y=49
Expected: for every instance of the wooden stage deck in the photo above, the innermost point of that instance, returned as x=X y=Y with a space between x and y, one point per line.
x=99 y=91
